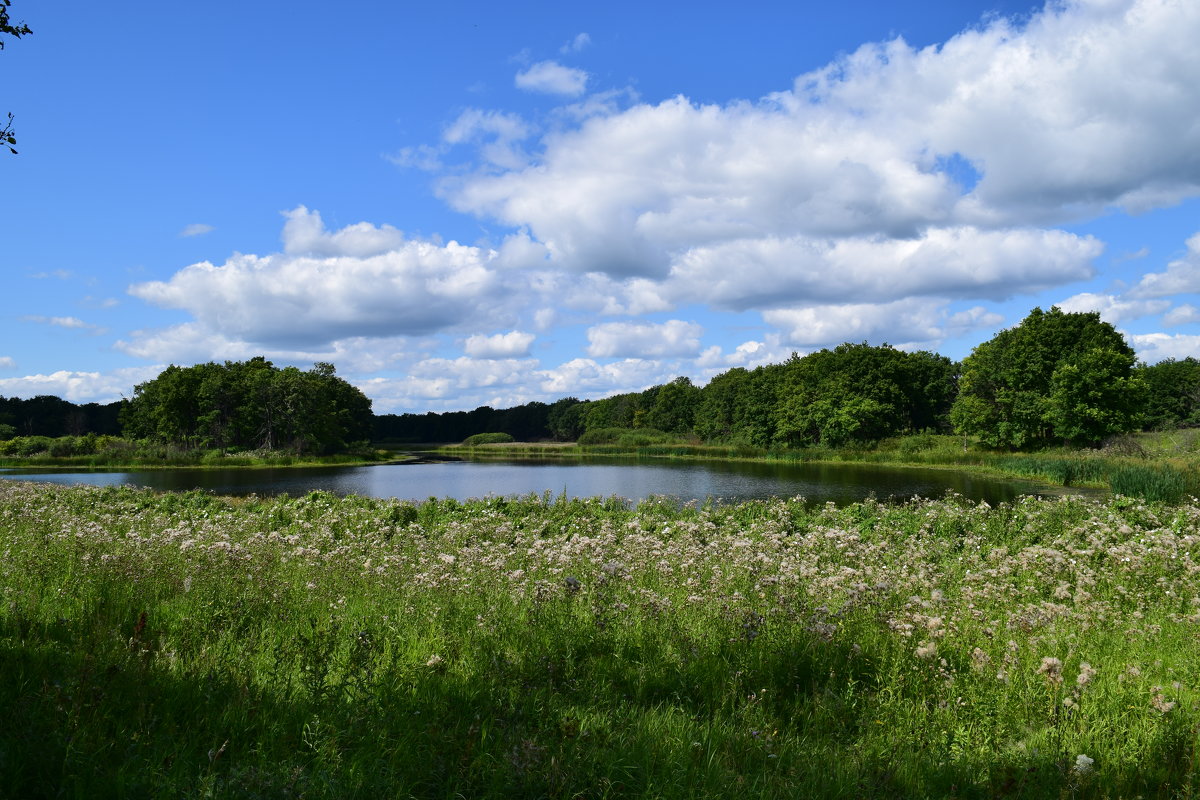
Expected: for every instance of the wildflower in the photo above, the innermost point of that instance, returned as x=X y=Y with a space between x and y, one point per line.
x=927 y=650
x=1083 y=764
x=1086 y=673
x=435 y=661
x=1160 y=703
x=1052 y=668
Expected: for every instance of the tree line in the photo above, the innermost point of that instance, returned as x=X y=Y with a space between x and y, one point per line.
x=1057 y=377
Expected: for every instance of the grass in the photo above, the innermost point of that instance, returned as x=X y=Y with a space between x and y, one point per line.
x=106 y=452
x=185 y=645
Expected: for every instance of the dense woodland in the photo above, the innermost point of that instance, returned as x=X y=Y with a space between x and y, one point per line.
x=1055 y=378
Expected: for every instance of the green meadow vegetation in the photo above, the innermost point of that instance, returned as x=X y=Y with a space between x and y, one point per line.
x=187 y=646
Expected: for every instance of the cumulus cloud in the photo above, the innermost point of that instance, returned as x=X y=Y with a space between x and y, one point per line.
x=858 y=169
x=1154 y=347
x=644 y=340
x=1182 y=275
x=501 y=345
x=896 y=322
x=7 y=362
x=959 y=262
x=907 y=323
x=884 y=197
x=359 y=281
x=496 y=134
x=586 y=377
x=1182 y=315
x=1113 y=309
x=196 y=229
x=749 y=355
x=80 y=387
x=550 y=77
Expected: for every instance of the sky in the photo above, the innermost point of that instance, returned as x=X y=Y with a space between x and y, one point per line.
x=468 y=203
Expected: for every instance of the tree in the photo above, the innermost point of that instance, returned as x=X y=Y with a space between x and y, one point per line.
x=1095 y=396
x=7 y=137
x=858 y=393
x=250 y=404
x=674 y=407
x=1056 y=375
x=1174 y=393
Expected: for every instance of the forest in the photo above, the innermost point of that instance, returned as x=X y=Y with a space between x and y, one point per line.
x=1055 y=378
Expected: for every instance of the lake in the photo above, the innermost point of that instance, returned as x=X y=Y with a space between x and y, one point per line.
x=631 y=479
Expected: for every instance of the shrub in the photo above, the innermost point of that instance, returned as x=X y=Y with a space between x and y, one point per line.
x=487 y=438
x=601 y=436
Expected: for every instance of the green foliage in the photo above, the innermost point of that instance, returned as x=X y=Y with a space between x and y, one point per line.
x=1156 y=483
x=857 y=393
x=1174 y=393
x=565 y=419
x=1055 y=376
x=250 y=404
x=185 y=645
x=488 y=438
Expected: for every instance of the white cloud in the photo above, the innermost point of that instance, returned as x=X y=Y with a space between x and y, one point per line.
x=360 y=281
x=1182 y=315
x=644 y=340
x=908 y=323
x=583 y=377
x=580 y=41
x=1113 y=309
x=304 y=234
x=496 y=135
x=1182 y=275
x=196 y=229
x=7 y=362
x=750 y=354
x=550 y=77
x=856 y=170
x=919 y=320
x=73 y=323
x=80 y=387
x=1154 y=347
x=467 y=373
x=944 y=262
x=60 y=322
x=501 y=345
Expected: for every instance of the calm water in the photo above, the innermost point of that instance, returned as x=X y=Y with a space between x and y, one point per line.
x=818 y=483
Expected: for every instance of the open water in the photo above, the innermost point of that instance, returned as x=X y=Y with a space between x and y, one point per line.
x=634 y=480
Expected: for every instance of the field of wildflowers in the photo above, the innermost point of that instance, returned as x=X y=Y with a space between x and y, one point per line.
x=185 y=645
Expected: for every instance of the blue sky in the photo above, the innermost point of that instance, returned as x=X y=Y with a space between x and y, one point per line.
x=481 y=203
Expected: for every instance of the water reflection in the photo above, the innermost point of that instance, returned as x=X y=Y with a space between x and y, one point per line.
x=634 y=480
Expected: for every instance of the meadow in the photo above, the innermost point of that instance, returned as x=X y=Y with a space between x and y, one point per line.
x=186 y=645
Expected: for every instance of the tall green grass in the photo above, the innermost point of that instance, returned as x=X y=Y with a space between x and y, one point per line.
x=184 y=645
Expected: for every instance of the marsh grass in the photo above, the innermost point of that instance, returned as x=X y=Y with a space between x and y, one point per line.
x=184 y=645
x=100 y=452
